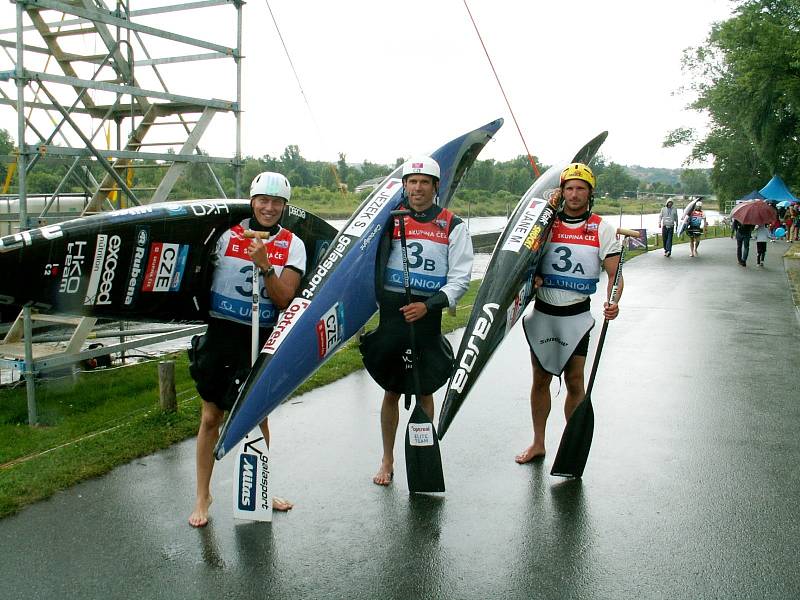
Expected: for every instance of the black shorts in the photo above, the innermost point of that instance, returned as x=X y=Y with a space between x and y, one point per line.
x=219 y=361
x=582 y=349
x=385 y=350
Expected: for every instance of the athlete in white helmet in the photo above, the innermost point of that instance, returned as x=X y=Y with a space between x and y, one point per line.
x=220 y=358
x=440 y=265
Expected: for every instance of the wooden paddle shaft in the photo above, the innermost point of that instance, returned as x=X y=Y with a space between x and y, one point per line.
x=627 y=232
x=255 y=310
x=249 y=233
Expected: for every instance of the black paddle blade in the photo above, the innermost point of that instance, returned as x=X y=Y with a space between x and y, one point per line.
x=576 y=441
x=423 y=458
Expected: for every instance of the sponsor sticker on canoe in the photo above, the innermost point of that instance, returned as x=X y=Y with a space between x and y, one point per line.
x=420 y=434
x=296 y=211
x=104 y=268
x=330 y=330
x=252 y=498
x=522 y=228
x=335 y=253
x=165 y=267
x=518 y=304
x=51 y=270
x=26 y=238
x=361 y=222
x=137 y=269
x=74 y=261
x=284 y=325
x=208 y=207
x=474 y=346
x=248 y=473
x=128 y=212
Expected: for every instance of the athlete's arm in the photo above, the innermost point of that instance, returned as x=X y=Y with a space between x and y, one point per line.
x=610 y=264
x=459 y=257
x=282 y=288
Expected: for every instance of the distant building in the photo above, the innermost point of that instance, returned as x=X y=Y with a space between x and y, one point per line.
x=369 y=184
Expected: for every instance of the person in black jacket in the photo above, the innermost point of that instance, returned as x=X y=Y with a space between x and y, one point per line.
x=743 y=233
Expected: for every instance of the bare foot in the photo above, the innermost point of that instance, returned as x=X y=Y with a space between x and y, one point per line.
x=281 y=504
x=384 y=475
x=199 y=516
x=530 y=453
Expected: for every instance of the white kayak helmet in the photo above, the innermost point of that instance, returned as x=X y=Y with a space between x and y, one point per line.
x=269 y=183
x=422 y=165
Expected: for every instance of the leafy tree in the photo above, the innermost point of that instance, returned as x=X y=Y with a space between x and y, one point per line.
x=6 y=149
x=615 y=180
x=480 y=176
x=694 y=182
x=519 y=180
x=328 y=178
x=371 y=170
x=747 y=78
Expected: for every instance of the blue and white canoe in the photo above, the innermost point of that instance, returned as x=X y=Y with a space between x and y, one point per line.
x=507 y=286
x=339 y=297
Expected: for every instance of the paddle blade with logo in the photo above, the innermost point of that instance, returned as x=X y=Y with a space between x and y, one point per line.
x=252 y=493
x=423 y=458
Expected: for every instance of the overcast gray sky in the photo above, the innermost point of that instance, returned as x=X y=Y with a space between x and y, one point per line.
x=389 y=79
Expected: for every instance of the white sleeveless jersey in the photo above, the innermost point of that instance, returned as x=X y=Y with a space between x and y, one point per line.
x=573 y=260
x=427 y=245
x=232 y=286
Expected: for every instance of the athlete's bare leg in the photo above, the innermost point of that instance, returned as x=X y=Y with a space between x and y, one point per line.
x=540 y=410
x=390 y=416
x=280 y=504
x=210 y=421
x=541 y=402
x=573 y=379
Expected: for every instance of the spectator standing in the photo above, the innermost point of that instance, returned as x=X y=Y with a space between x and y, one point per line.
x=743 y=233
x=762 y=237
x=667 y=221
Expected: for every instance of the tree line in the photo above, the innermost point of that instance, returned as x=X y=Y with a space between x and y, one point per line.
x=325 y=181
x=746 y=78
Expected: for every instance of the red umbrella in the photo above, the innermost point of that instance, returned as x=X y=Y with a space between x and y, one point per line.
x=754 y=212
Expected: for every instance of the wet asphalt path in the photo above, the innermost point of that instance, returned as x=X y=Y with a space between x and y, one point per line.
x=691 y=490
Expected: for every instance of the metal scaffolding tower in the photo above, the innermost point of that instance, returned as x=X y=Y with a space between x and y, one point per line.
x=109 y=92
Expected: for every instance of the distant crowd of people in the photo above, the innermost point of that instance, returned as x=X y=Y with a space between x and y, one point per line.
x=788 y=220
x=785 y=227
